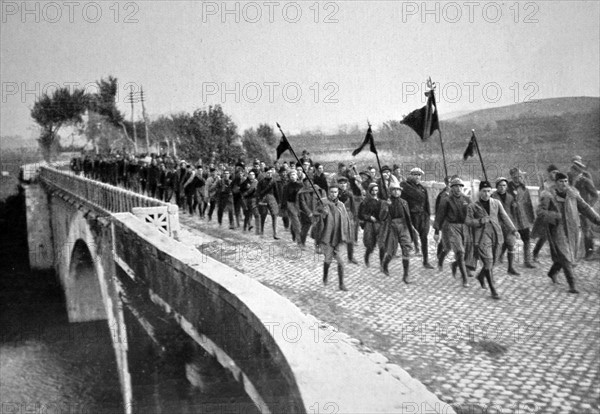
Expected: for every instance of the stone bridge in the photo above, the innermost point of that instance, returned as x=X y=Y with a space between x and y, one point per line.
x=117 y=256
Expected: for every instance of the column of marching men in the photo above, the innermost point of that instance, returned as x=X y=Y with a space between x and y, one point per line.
x=391 y=211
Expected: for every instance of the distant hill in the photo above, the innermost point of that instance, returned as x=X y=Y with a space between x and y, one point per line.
x=533 y=109
x=529 y=135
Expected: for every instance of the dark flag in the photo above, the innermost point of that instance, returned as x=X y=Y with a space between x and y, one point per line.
x=424 y=121
x=283 y=146
x=368 y=140
x=470 y=151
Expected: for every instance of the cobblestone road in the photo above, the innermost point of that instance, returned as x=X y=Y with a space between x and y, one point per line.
x=533 y=351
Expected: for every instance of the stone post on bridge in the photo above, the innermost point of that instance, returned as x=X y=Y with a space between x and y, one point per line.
x=39 y=232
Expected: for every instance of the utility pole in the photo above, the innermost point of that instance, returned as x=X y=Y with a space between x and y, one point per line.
x=145 y=119
x=132 y=120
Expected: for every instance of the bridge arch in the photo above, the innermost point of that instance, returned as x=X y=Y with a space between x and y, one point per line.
x=87 y=304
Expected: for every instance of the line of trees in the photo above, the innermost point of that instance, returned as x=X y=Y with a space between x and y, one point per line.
x=205 y=133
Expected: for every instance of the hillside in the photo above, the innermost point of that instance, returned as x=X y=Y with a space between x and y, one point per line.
x=533 y=109
x=530 y=135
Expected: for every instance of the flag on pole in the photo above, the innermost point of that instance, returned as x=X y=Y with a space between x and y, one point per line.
x=424 y=121
x=470 y=151
x=283 y=146
x=368 y=140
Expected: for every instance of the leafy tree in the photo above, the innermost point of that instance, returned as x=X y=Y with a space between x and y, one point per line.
x=202 y=134
x=255 y=146
x=51 y=112
x=265 y=131
x=104 y=102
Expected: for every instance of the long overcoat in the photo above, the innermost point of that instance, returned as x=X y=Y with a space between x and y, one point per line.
x=561 y=219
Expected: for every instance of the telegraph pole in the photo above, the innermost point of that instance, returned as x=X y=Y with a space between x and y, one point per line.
x=132 y=120
x=145 y=120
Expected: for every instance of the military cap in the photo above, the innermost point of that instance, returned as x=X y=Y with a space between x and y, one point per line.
x=561 y=176
x=372 y=185
x=516 y=171
x=385 y=168
x=500 y=179
x=457 y=181
x=394 y=185
x=416 y=171
x=484 y=184
x=342 y=180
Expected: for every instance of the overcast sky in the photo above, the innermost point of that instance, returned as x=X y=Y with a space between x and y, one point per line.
x=303 y=64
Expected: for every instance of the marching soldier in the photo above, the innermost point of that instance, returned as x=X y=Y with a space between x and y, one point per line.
x=250 y=204
x=307 y=203
x=396 y=229
x=225 y=199
x=290 y=202
x=507 y=202
x=319 y=178
x=153 y=176
x=267 y=200
x=487 y=217
x=560 y=209
x=352 y=210
x=335 y=232
x=445 y=192
x=456 y=235
x=538 y=230
x=587 y=190
x=522 y=212
x=418 y=202
x=369 y=213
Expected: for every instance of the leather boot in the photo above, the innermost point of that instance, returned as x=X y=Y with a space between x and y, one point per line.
x=325 y=272
x=381 y=257
x=341 y=276
x=386 y=262
x=570 y=277
x=453 y=266
x=367 y=254
x=527 y=254
x=460 y=262
x=554 y=271
x=426 y=264
x=481 y=277
x=275 y=228
x=405 y=265
x=441 y=256
x=588 y=244
x=351 y=253
x=501 y=257
x=262 y=224
x=538 y=246
x=511 y=260
x=490 y=279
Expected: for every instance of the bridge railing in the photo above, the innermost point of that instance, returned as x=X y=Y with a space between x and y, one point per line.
x=165 y=216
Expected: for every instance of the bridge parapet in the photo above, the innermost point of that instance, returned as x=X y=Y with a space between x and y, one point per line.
x=285 y=360
x=164 y=216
